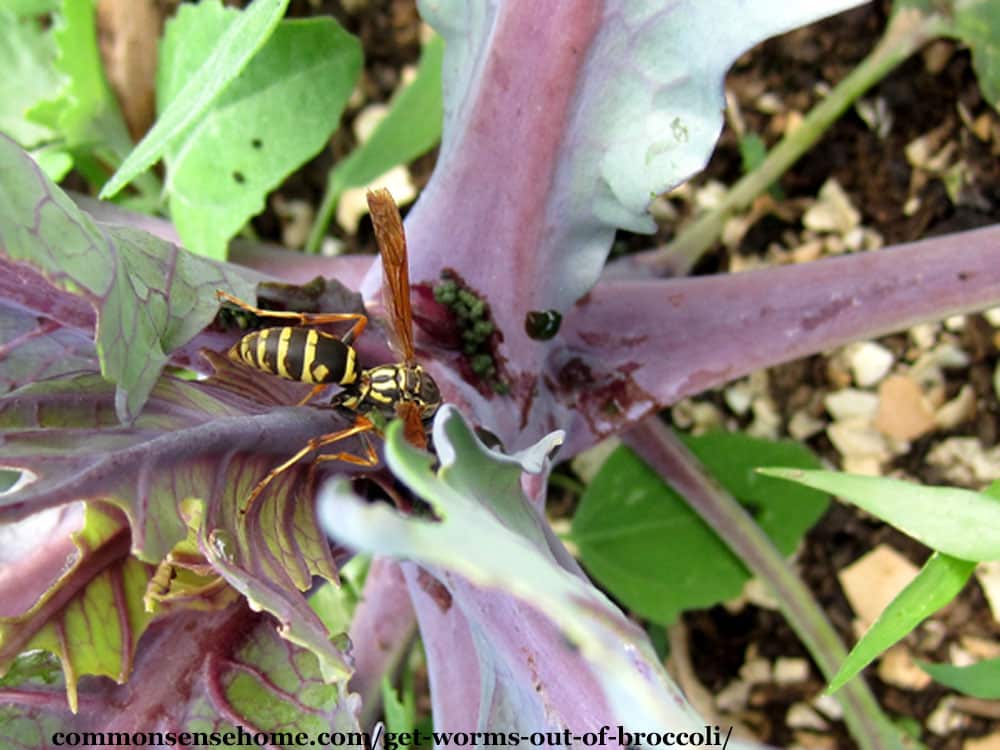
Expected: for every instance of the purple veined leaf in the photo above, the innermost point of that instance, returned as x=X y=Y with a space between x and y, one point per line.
x=151 y=297
x=197 y=672
x=618 y=108
x=209 y=441
x=47 y=320
x=35 y=348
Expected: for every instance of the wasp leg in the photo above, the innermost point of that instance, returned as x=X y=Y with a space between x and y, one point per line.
x=361 y=426
x=304 y=319
x=369 y=459
x=313 y=392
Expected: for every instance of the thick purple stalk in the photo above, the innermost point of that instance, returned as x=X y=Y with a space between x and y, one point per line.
x=382 y=632
x=651 y=343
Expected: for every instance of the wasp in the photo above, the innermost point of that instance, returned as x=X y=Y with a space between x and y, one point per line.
x=302 y=353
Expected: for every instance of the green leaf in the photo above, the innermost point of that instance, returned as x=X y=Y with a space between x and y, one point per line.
x=335 y=604
x=753 y=152
x=980 y=680
x=7 y=479
x=399 y=706
x=237 y=46
x=190 y=459
x=410 y=128
x=84 y=112
x=29 y=7
x=27 y=54
x=975 y=23
x=960 y=523
x=271 y=119
x=92 y=625
x=978 y=25
x=151 y=297
x=32 y=665
x=643 y=542
x=54 y=160
x=939 y=581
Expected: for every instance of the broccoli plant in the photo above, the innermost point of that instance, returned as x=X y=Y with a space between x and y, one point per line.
x=139 y=597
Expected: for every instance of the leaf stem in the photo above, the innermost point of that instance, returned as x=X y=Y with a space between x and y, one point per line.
x=324 y=214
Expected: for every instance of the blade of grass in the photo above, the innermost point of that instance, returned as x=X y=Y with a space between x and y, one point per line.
x=940 y=517
x=938 y=582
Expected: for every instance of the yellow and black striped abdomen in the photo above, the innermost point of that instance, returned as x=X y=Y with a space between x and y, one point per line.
x=302 y=354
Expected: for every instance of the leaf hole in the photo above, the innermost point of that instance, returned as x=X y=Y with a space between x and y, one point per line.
x=238 y=176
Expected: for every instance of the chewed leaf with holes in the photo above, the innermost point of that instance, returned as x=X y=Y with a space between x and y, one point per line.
x=196 y=672
x=195 y=452
x=500 y=602
x=231 y=54
x=278 y=113
x=150 y=296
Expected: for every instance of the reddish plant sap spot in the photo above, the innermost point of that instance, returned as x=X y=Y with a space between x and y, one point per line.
x=435 y=590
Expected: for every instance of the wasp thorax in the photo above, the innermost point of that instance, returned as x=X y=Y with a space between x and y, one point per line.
x=388 y=385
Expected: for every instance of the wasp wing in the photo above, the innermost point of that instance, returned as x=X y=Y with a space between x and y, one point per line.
x=396 y=275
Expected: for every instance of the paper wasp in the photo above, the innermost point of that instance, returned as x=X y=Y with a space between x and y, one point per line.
x=302 y=353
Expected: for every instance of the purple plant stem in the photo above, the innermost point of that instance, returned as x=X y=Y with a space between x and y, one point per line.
x=382 y=631
x=525 y=648
x=654 y=442
x=490 y=202
x=667 y=339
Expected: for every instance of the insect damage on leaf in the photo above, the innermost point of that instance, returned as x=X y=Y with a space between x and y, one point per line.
x=476 y=331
